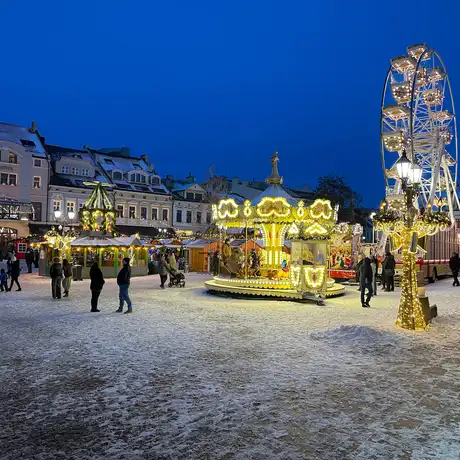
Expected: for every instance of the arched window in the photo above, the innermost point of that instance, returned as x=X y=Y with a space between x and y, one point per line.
x=155 y=180
x=12 y=158
x=117 y=175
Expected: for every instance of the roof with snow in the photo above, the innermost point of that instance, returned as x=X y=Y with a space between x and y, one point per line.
x=24 y=137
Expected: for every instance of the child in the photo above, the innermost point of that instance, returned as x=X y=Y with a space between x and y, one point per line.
x=3 y=280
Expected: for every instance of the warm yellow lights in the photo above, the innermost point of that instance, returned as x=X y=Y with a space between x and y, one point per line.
x=227 y=208
x=315 y=229
x=314 y=276
x=247 y=211
x=277 y=207
x=295 y=276
x=321 y=209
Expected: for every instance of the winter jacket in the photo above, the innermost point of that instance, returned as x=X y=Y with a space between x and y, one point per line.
x=389 y=263
x=30 y=256
x=56 y=270
x=124 y=275
x=3 y=278
x=162 y=271
x=366 y=272
x=454 y=262
x=67 y=270
x=97 y=279
x=15 y=268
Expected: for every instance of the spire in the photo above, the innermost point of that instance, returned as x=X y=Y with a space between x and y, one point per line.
x=98 y=213
x=99 y=199
x=275 y=177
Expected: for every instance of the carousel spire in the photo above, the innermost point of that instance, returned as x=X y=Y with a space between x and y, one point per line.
x=274 y=178
x=98 y=213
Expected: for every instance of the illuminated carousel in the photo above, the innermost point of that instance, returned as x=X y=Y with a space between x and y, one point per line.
x=302 y=274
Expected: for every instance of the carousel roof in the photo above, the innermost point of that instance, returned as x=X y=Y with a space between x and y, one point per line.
x=275 y=191
x=92 y=241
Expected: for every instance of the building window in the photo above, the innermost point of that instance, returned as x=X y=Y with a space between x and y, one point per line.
x=12 y=179
x=70 y=205
x=132 y=177
x=155 y=181
x=117 y=175
x=37 y=163
x=65 y=170
x=208 y=217
x=143 y=179
x=4 y=179
x=132 y=212
x=80 y=206
x=57 y=205
x=108 y=161
x=85 y=172
x=12 y=158
x=165 y=214
x=198 y=217
x=189 y=196
x=75 y=171
x=154 y=214
x=179 y=215
x=22 y=247
x=143 y=212
x=121 y=210
x=189 y=217
x=198 y=196
x=37 y=182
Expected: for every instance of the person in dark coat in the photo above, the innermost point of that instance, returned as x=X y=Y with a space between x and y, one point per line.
x=162 y=271
x=29 y=259
x=3 y=280
x=454 y=264
x=36 y=257
x=56 y=278
x=123 y=281
x=365 y=280
x=66 y=277
x=388 y=271
x=15 y=271
x=97 y=283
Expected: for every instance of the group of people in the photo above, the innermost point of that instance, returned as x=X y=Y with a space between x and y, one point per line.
x=367 y=270
x=13 y=270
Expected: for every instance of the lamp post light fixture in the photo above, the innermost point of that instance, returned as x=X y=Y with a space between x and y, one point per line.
x=57 y=214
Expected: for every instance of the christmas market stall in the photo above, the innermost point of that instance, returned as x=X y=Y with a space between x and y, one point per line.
x=277 y=215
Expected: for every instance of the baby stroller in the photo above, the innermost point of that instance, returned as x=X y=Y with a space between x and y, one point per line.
x=176 y=278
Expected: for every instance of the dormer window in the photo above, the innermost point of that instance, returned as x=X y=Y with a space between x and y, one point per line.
x=155 y=181
x=108 y=161
x=136 y=177
x=65 y=170
x=27 y=143
x=12 y=158
x=136 y=166
x=117 y=175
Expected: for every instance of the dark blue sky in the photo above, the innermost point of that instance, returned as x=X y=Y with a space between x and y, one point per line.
x=195 y=83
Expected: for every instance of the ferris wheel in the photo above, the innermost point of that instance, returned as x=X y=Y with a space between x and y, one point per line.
x=418 y=117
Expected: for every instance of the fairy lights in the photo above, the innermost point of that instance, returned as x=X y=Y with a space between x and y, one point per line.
x=278 y=207
x=227 y=208
x=314 y=276
x=315 y=229
x=321 y=209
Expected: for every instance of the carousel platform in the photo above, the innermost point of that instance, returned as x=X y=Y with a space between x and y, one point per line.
x=259 y=288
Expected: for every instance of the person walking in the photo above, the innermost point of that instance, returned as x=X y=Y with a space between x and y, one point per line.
x=3 y=280
x=56 y=278
x=162 y=271
x=97 y=283
x=375 y=267
x=365 y=280
x=454 y=264
x=123 y=281
x=29 y=259
x=15 y=271
x=67 y=277
x=388 y=270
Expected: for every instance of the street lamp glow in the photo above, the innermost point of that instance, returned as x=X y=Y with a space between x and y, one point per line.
x=57 y=214
x=372 y=215
x=403 y=166
x=71 y=215
x=415 y=173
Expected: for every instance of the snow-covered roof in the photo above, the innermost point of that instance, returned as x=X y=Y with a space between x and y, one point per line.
x=275 y=191
x=24 y=137
x=199 y=243
x=103 y=241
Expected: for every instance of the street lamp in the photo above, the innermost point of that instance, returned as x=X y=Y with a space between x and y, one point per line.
x=57 y=214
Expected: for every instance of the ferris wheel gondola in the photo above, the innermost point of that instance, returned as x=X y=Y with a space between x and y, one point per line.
x=418 y=116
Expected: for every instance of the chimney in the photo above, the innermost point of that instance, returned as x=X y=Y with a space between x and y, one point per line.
x=33 y=128
x=145 y=158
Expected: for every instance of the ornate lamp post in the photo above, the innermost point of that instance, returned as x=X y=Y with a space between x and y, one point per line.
x=405 y=224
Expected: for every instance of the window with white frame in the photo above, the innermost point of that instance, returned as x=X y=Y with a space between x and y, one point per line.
x=132 y=212
x=198 y=217
x=165 y=214
x=8 y=179
x=179 y=215
x=12 y=158
x=121 y=210
x=189 y=217
x=37 y=163
x=154 y=213
x=64 y=169
x=70 y=206
x=85 y=172
x=143 y=212
x=57 y=205
x=37 y=182
x=117 y=175
x=75 y=171
x=208 y=217
x=12 y=180
x=22 y=247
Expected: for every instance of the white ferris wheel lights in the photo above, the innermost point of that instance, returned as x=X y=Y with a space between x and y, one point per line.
x=393 y=141
x=417 y=51
x=403 y=64
x=402 y=92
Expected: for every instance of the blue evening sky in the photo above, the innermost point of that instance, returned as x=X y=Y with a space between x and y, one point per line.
x=195 y=83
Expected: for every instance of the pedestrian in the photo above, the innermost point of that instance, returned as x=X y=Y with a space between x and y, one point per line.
x=454 y=264
x=358 y=271
x=388 y=270
x=375 y=267
x=162 y=271
x=66 y=277
x=172 y=260
x=36 y=257
x=56 y=278
x=97 y=283
x=123 y=281
x=3 y=280
x=29 y=260
x=15 y=272
x=9 y=262
x=365 y=279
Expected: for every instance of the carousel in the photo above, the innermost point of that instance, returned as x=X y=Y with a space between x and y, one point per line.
x=282 y=220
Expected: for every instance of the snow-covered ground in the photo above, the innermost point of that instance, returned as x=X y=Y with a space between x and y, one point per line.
x=193 y=376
